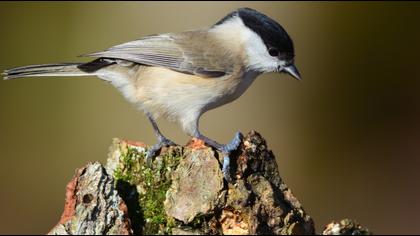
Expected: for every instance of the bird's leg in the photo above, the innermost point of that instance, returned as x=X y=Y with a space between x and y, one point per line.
x=226 y=149
x=162 y=142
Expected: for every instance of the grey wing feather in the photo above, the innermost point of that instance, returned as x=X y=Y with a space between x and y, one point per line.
x=178 y=52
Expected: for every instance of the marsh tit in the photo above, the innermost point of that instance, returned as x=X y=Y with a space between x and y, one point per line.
x=179 y=76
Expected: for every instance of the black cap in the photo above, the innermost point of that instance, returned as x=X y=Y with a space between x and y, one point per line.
x=272 y=33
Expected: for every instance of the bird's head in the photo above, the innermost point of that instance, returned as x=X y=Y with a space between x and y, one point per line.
x=267 y=45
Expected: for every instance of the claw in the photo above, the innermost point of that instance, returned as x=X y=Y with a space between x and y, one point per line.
x=225 y=169
x=150 y=154
x=227 y=149
x=163 y=142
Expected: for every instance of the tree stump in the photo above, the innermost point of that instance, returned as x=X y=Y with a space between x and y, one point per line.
x=184 y=192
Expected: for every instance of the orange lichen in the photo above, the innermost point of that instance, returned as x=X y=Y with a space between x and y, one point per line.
x=196 y=143
x=134 y=143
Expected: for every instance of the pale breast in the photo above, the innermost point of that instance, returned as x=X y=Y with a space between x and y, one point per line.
x=233 y=88
x=183 y=97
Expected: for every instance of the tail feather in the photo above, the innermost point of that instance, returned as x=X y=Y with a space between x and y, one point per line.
x=63 y=69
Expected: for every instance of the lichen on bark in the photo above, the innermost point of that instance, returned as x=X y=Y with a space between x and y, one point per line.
x=184 y=192
x=150 y=184
x=93 y=205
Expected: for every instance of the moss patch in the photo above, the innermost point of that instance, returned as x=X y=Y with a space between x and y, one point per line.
x=151 y=184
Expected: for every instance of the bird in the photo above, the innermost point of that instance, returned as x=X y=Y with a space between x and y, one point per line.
x=180 y=76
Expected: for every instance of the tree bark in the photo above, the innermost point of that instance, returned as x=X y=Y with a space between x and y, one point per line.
x=184 y=192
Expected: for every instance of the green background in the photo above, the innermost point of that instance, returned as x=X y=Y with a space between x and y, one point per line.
x=347 y=138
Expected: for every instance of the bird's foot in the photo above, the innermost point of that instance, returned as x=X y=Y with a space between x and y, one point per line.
x=153 y=150
x=227 y=150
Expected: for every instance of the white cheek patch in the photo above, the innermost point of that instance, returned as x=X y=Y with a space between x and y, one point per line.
x=258 y=57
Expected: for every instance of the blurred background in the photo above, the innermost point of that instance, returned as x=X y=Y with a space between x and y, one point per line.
x=347 y=138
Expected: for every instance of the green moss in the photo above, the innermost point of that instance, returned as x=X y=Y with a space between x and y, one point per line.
x=152 y=185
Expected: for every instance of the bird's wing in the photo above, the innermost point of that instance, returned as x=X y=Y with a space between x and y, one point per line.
x=189 y=52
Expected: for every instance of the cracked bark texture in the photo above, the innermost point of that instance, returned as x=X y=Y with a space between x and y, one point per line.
x=184 y=193
x=92 y=205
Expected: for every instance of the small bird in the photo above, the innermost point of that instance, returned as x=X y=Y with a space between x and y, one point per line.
x=180 y=76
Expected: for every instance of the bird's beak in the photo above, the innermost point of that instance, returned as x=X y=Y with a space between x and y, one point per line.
x=293 y=71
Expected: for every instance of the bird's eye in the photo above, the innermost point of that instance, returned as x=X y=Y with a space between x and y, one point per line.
x=273 y=52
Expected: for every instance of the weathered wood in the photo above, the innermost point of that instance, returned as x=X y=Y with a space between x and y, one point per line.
x=345 y=227
x=93 y=205
x=184 y=193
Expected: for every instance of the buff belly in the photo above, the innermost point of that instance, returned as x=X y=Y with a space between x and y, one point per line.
x=177 y=96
